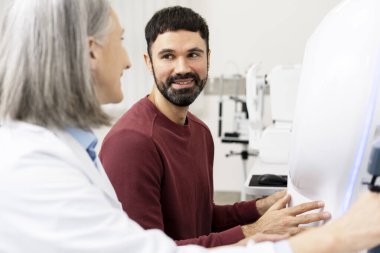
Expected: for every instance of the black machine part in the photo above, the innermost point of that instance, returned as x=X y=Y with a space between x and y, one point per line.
x=374 y=160
x=374 y=166
x=268 y=180
x=374 y=170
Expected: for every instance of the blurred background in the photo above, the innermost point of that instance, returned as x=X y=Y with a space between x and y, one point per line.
x=242 y=32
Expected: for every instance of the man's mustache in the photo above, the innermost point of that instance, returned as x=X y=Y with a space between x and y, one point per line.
x=194 y=76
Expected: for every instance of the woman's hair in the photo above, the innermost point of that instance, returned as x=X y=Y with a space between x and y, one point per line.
x=45 y=75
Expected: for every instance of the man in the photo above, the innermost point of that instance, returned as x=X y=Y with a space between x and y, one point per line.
x=54 y=194
x=159 y=156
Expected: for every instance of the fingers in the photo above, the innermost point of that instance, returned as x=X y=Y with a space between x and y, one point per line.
x=263 y=205
x=278 y=195
x=308 y=218
x=281 y=203
x=305 y=207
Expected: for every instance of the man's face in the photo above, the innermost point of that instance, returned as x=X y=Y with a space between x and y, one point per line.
x=179 y=62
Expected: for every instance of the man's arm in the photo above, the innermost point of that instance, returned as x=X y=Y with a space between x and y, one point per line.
x=275 y=219
x=228 y=216
x=134 y=168
x=241 y=213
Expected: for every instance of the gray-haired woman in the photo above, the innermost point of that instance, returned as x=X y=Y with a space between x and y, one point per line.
x=59 y=61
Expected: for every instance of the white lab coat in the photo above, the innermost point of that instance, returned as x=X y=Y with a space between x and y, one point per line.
x=53 y=199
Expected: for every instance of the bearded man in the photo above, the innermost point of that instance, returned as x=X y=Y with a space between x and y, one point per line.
x=159 y=156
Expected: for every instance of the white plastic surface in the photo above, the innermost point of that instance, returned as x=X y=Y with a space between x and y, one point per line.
x=337 y=109
x=272 y=143
x=284 y=81
x=254 y=98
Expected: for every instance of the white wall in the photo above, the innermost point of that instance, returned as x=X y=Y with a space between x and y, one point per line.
x=270 y=31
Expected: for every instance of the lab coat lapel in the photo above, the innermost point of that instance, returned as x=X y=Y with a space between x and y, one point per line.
x=96 y=175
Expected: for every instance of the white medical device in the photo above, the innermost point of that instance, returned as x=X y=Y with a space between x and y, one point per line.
x=337 y=115
x=272 y=142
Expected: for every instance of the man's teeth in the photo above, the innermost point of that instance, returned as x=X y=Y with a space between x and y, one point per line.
x=183 y=82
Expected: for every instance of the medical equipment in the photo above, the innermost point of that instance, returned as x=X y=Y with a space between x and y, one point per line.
x=272 y=142
x=338 y=108
x=374 y=167
x=374 y=171
x=239 y=133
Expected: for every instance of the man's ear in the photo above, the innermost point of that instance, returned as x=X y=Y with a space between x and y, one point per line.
x=94 y=51
x=148 y=62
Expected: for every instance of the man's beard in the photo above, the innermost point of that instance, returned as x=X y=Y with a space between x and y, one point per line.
x=184 y=96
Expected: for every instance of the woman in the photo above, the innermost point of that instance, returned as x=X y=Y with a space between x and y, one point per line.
x=59 y=60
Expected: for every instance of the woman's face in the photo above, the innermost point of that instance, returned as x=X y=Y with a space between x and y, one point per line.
x=108 y=61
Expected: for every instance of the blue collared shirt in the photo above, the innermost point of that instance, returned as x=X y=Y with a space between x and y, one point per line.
x=86 y=139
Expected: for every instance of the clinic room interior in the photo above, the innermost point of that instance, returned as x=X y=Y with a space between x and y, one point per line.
x=249 y=39
x=274 y=127
x=267 y=33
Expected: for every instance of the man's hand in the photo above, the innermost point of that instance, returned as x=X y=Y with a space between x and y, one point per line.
x=281 y=220
x=264 y=204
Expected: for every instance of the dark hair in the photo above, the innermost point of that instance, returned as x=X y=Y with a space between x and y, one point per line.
x=172 y=19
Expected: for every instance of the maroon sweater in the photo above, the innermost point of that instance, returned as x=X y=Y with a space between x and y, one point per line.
x=162 y=175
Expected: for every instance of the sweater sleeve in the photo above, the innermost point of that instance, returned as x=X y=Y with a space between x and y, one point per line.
x=227 y=237
x=135 y=171
x=228 y=216
x=226 y=224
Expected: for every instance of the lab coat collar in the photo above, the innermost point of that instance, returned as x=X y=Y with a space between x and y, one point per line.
x=96 y=175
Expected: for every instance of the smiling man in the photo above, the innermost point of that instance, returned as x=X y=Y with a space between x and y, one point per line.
x=159 y=156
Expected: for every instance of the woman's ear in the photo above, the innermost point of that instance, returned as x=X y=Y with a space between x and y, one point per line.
x=94 y=52
x=148 y=62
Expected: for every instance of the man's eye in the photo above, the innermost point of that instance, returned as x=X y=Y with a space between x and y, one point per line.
x=193 y=55
x=168 y=56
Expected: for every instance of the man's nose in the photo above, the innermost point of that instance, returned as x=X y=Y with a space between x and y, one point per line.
x=182 y=66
